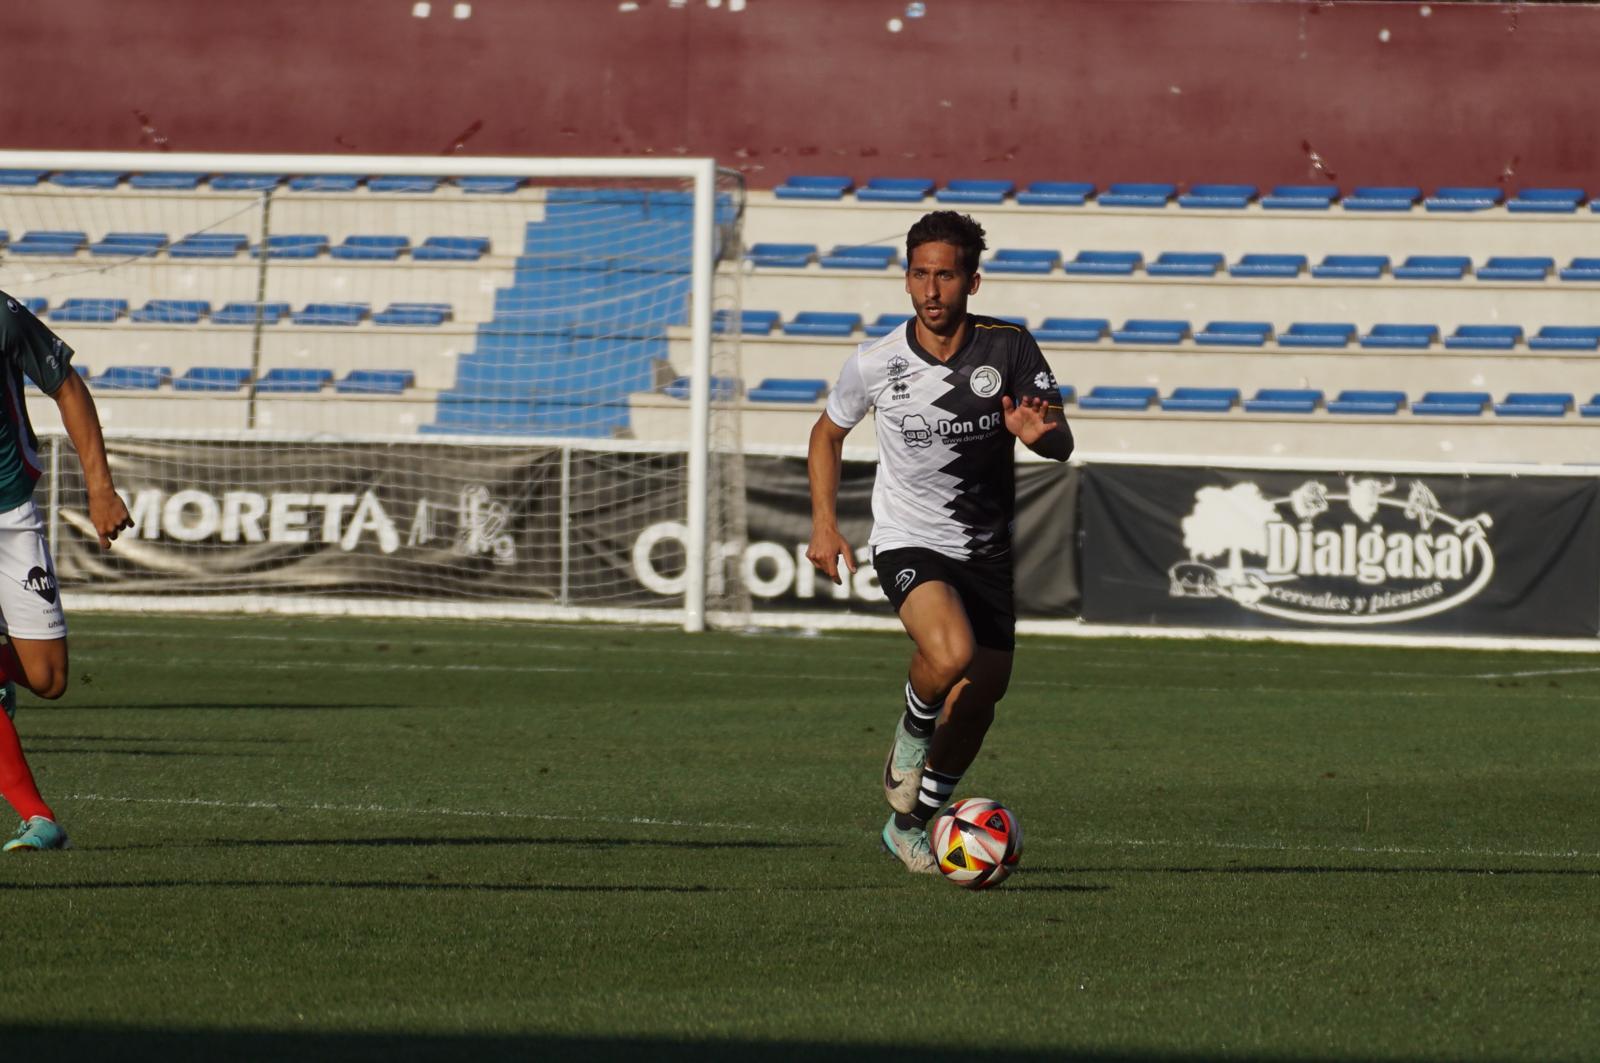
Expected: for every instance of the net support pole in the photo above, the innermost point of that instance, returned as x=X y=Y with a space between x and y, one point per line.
x=697 y=549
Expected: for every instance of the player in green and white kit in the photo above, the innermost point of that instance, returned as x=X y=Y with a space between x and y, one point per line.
x=33 y=630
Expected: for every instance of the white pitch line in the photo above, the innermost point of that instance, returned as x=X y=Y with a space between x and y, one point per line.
x=1537 y=672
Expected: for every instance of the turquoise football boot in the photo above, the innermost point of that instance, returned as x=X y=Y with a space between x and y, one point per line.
x=910 y=847
x=8 y=699
x=37 y=834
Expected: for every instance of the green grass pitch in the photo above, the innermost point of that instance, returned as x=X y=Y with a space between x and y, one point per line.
x=394 y=840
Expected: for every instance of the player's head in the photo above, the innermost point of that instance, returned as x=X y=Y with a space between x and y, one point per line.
x=942 y=254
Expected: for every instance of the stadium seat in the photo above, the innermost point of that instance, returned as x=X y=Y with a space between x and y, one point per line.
x=293 y=380
x=1072 y=330
x=1150 y=330
x=1022 y=260
x=1534 y=404
x=132 y=378
x=1068 y=393
x=172 y=311
x=1114 y=263
x=1433 y=267
x=1400 y=337
x=1352 y=267
x=451 y=248
x=1056 y=194
x=810 y=186
x=98 y=310
x=88 y=178
x=342 y=314
x=1217 y=197
x=1565 y=338
x=1451 y=404
x=1300 y=197
x=1256 y=264
x=325 y=182
x=489 y=186
x=53 y=242
x=245 y=313
x=1367 y=402
x=291 y=245
x=1317 y=334
x=895 y=190
x=785 y=256
x=1545 y=201
x=427 y=315
x=784 y=389
x=822 y=323
x=751 y=322
x=397 y=183
x=208 y=245
x=1284 y=400
x=1185 y=264
x=245 y=182
x=1234 y=334
x=20 y=178
x=181 y=182
x=1581 y=269
x=1138 y=194
x=1201 y=400
x=376 y=248
x=212 y=378
x=1460 y=200
x=886 y=323
x=129 y=245
x=1591 y=408
x=723 y=388
x=1105 y=397
x=974 y=191
x=375 y=382
x=1382 y=197
x=1484 y=337
x=847 y=256
x=1516 y=268
x=36 y=305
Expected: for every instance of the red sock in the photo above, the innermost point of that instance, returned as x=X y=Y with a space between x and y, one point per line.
x=16 y=781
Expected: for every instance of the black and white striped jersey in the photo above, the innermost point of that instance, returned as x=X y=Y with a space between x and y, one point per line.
x=945 y=479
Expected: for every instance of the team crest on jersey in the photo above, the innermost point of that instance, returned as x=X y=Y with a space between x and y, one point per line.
x=916 y=431
x=986 y=381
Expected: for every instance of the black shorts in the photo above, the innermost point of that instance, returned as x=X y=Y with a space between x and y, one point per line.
x=985 y=589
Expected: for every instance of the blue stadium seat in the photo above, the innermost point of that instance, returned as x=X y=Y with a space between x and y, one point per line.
x=291 y=245
x=784 y=389
x=427 y=315
x=1591 y=408
x=1516 y=268
x=36 y=305
x=1484 y=337
x=1460 y=200
x=398 y=183
x=895 y=190
x=1383 y=197
x=813 y=186
x=1317 y=334
x=53 y=242
x=20 y=178
x=1300 y=197
x=1451 y=404
x=88 y=178
x=1256 y=264
x=886 y=323
x=1150 y=330
x=375 y=248
x=975 y=191
x=172 y=311
x=212 y=378
x=1022 y=260
x=1284 y=400
x=1400 y=337
x=1534 y=404
x=208 y=245
x=132 y=378
x=1072 y=330
x=1565 y=338
x=751 y=322
x=1056 y=194
x=293 y=380
x=1217 y=197
x=1234 y=334
x=375 y=382
x=100 y=310
x=723 y=388
x=325 y=182
x=248 y=312
x=1201 y=400
x=1185 y=264
x=822 y=323
x=1116 y=263
x=1545 y=201
x=873 y=256
x=785 y=256
x=479 y=185
x=1581 y=269
x=1138 y=194
x=1068 y=393
x=342 y=314
x=1354 y=267
x=245 y=182
x=1433 y=268
x=129 y=245
x=451 y=249
x=176 y=181
x=1367 y=402
x=1108 y=397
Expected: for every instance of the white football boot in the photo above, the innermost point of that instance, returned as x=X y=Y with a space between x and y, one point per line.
x=902 y=772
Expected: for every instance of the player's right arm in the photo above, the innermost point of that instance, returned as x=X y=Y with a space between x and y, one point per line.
x=824 y=459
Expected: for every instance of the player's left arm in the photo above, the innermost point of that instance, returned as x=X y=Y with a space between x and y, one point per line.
x=1035 y=415
x=107 y=512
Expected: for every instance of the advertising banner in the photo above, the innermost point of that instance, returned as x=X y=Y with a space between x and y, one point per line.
x=1231 y=548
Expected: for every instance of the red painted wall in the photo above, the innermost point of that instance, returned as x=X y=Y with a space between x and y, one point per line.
x=1187 y=90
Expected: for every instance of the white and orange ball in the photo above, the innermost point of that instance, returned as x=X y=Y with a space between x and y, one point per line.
x=977 y=842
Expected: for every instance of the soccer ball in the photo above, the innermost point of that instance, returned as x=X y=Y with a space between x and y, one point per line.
x=977 y=842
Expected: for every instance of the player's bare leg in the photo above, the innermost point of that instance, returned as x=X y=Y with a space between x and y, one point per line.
x=41 y=666
x=969 y=710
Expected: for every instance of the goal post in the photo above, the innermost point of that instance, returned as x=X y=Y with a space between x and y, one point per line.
x=469 y=336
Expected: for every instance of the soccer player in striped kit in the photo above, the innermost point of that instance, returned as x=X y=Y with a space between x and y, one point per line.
x=952 y=392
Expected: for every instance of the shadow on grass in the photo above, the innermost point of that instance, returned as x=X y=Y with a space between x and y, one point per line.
x=430 y=841
x=384 y=885
x=212 y=706
x=166 y=739
x=135 y=751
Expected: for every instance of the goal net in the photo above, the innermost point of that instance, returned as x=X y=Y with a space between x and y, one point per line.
x=392 y=385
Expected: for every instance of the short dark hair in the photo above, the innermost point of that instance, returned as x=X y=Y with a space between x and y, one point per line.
x=949 y=227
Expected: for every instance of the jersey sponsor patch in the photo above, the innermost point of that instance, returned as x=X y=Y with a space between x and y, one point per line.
x=986 y=381
x=41 y=582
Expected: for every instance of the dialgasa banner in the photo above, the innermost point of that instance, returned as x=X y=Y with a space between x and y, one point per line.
x=1479 y=554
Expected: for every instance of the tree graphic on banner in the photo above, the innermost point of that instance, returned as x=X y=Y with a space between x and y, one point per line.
x=1230 y=521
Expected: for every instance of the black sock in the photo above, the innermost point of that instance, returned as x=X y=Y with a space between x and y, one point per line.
x=920 y=716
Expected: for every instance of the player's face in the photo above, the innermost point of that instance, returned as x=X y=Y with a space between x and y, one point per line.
x=939 y=286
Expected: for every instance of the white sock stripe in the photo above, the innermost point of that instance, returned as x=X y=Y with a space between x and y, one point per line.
x=919 y=708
